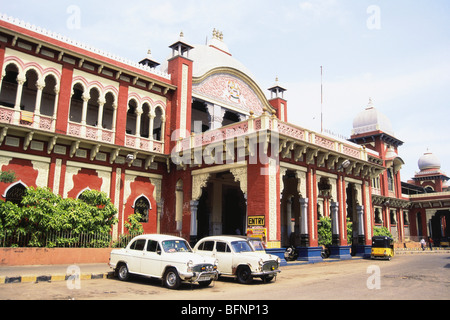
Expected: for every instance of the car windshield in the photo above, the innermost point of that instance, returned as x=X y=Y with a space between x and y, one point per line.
x=257 y=244
x=171 y=246
x=241 y=246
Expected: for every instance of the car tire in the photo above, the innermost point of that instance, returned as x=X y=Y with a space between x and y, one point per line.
x=171 y=279
x=244 y=275
x=122 y=272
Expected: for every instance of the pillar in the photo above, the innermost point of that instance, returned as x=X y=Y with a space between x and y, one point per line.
x=335 y=223
x=304 y=238
x=194 y=209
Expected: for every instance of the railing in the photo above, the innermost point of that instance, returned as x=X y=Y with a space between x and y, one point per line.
x=57 y=239
x=269 y=123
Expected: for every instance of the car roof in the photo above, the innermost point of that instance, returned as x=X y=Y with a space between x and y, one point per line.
x=223 y=238
x=158 y=237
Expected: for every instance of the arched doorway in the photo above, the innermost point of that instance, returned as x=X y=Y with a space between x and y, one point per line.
x=290 y=210
x=222 y=207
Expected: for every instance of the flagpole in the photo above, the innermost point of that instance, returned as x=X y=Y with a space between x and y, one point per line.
x=321 y=99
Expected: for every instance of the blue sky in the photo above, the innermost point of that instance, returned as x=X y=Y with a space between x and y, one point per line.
x=396 y=52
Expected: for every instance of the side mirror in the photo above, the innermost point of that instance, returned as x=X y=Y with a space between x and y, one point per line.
x=158 y=252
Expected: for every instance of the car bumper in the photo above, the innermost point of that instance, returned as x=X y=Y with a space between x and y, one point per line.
x=199 y=276
x=265 y=273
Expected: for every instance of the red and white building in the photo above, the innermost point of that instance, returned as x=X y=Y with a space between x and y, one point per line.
x=194 y=144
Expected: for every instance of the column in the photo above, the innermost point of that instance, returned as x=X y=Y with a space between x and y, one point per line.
x=101 y=103
x=304 y=238
x=360 y=214
x=335 y=223
x=86 y=97
x=216 y=114
x=194 y=208
x=37 y=111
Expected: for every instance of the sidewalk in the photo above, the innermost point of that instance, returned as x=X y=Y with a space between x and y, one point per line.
x=52 y=273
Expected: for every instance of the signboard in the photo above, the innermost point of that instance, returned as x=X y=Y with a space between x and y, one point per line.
x=256 y=221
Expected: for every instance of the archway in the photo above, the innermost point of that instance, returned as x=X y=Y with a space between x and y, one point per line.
x=290 y=210
x=222 y=207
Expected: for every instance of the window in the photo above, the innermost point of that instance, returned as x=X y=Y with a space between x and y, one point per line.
x=138 y=245
x=16 y=193
x=142 y=207
x=48 y=96
x=108 y=111
x=93 y=108
x=9 y=86
x=207 y=246
x=157 y=124
x=29 y=91
x=390 y=179
x=222 y=247
x=153 y=246
x=76 y=104
x=131 y=117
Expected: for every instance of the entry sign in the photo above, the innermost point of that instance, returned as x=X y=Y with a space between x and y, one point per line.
x=256 y=221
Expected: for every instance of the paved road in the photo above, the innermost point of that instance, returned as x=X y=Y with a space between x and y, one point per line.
x=405 y=277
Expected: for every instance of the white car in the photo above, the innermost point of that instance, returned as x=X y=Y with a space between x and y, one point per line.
x=165 y=257
x=237 y=257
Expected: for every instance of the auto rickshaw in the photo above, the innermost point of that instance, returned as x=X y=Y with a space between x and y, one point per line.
x=382 y=248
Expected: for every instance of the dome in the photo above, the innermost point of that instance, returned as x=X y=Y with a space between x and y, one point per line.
x=371 y=120
x=429 y=161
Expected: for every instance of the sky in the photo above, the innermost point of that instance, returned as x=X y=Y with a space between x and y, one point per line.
x=395 y=52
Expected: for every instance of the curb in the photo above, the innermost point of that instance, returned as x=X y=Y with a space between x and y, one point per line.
x=54 y=278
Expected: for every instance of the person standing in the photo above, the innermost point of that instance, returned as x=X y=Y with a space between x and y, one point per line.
x=422 y=244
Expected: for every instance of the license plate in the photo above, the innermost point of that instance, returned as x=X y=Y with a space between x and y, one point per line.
x=204 y=278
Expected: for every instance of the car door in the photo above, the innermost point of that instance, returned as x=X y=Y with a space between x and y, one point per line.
x=206 y=248
x=225 y=257
x=136 y=253
x=151 y=260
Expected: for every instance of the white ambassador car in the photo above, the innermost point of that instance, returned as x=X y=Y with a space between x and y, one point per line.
x=237 y=257
x=165 y=257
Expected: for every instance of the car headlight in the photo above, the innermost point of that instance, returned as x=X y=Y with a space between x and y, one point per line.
x=190 y=264
x=261 y=262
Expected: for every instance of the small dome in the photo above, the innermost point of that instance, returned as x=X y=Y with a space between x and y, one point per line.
x=429 y=161
x=371 y=120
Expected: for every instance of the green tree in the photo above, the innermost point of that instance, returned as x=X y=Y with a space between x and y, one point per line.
x=382 y=231
x=324 y=231
x=44 y=213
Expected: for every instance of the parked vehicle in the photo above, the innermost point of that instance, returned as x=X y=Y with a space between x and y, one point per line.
x=165 y=257
x=237 y=257
x=382 y=247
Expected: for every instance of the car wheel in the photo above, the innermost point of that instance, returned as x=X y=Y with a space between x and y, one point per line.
x=123 y=273
x=244 y=275
x=172 y=279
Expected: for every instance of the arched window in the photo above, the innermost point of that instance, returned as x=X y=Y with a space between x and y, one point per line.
x=157 y=124
x=143 y=207
x=145 y=121
x=131 y=117
x=390 y=179
x=76 y=103
x=29 y=91
x=9 y=86
x=48 y=96
x=15 y=193
x=92 y=108
x=108 y=111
